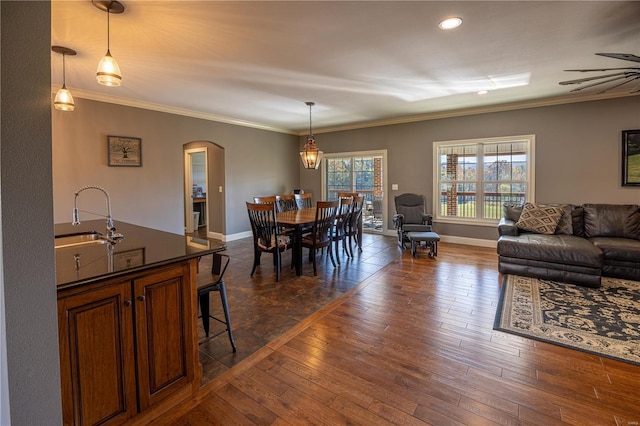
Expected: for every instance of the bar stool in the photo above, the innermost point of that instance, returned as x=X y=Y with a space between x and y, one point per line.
x=218 y=268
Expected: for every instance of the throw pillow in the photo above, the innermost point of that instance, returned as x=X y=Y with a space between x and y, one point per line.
x=565 y=224
x=539 y=218
x=512 y=211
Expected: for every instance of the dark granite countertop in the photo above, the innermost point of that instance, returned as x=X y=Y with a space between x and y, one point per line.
x=142 y=248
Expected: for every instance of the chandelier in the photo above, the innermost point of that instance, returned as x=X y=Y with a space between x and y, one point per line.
x=311 y=156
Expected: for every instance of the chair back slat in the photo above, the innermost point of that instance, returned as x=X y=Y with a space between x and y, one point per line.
x=342 y=215
x=264 y=224
x=356 y=211
x=325 y=217
x=270 y=199
x=349 y=194
x=303 y=201
x=285 y=203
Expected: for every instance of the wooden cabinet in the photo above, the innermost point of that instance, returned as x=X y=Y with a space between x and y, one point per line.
x=126 y=344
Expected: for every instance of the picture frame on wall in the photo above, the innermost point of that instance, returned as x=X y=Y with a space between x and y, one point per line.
x=631 y=158
x=124 y=151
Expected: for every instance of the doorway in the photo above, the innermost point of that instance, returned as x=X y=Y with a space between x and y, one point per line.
x=204 y=183
x=196 y=193
x=361 y=172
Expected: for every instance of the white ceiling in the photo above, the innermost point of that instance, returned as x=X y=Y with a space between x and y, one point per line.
x=359 y=61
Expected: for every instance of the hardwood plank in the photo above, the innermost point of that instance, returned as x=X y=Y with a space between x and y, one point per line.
x=398 y=340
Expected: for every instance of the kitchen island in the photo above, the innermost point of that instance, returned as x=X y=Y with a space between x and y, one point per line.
x=127 y=320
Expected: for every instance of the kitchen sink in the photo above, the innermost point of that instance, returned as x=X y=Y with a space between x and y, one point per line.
x=80 y=239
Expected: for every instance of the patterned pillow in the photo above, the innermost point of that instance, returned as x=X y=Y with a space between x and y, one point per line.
x=539 y=218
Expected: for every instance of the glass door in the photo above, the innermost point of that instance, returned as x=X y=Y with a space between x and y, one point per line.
x=363 y=173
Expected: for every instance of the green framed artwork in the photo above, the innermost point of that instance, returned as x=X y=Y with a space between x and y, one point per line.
x=631 y=158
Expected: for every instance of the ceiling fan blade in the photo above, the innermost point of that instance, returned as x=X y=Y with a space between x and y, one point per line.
x=582 y=80
x=605 y=69
x=600 y=82
x=623 y=56
x=621 y=84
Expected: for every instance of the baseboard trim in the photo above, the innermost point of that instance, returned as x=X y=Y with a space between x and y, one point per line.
x=238 y=236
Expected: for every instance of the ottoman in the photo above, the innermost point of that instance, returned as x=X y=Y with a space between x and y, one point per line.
x=430 y=240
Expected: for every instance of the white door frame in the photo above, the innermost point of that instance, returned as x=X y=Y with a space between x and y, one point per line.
x=385 y=188
x=188 y=188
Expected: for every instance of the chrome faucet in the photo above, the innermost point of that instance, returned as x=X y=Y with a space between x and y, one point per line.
x=111 y=229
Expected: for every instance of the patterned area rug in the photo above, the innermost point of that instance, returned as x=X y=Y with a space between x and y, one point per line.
x=603 y=321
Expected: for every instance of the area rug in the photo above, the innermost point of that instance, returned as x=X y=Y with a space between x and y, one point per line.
x=603 y=321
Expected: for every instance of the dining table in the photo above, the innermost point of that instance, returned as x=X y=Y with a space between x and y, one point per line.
x=297 y=221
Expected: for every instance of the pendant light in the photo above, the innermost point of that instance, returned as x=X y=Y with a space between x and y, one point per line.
x=63 y=100
x=311 y=156
x=108 y=72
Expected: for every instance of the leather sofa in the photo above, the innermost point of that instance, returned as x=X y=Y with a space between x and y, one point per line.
x=590 y=241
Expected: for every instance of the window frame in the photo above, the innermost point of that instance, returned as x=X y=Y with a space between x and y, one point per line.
x=529 y=140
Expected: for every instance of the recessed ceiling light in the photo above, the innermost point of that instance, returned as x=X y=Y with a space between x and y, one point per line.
x=483 y=92
x=450 y=23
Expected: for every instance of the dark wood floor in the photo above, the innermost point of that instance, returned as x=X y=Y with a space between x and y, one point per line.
x=395 y=340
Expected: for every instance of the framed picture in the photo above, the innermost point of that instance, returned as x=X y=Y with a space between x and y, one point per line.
x=631 y=158
x=128 y=259
x=124 y=151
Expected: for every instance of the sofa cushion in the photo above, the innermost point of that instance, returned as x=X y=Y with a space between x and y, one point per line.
x=565 y=224
x=562 y=249
x=539 y=218
x=612 y=220
x=624 y=249
x=577 y=221
x=512 y=211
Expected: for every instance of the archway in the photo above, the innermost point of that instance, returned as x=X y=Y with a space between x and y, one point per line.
x=204 y=183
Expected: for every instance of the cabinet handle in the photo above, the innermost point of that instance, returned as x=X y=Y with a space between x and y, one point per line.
x=127 y=303
x=140 y=298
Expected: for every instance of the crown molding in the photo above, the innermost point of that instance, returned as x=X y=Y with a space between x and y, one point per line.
x=534 y=103
x=93 y=96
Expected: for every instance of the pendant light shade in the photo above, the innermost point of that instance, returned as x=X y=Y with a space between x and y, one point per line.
x=108 y=73
x=311 y=155
x=63 y=100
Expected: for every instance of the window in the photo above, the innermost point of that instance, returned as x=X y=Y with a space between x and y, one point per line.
x=474 y=178
x=361 y=172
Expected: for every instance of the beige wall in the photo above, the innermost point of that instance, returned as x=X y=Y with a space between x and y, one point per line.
x=578 y=152
x=255 y=162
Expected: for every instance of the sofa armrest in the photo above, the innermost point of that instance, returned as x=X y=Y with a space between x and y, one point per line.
x=507 y=227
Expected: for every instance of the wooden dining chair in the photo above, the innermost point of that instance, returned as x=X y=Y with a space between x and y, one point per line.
x=320 y=237
x=337 y=233
x=349 y=194
x=352 y=227
x=303 y=201
x=285 y=203
x=270 y=199
x=267 y=237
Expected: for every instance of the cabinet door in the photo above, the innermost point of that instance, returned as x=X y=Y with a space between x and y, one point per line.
x=97 y=355
x=164 y=333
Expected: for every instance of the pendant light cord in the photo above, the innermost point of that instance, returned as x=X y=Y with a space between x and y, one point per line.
x=310 y=129
x=64 y=72
x=108 y=29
